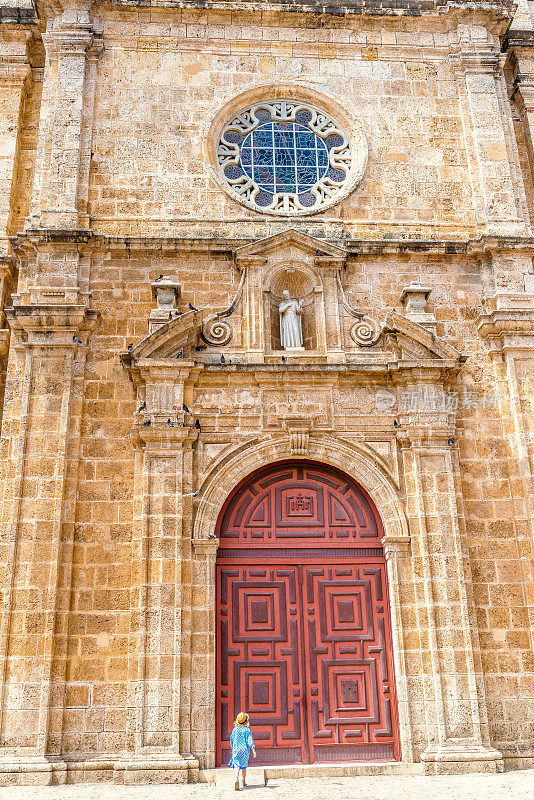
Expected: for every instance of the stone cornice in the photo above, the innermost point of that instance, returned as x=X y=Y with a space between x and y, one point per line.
x=508 y=323
x=500 y=10
x=396 y=545
x=430 y=430
x=163 y=436
x=33 y=239
x=518 y=38
x=499 y=13
x=206 y=547
x=23 y=14
x=52 y=325
x=507 y=329
x=475 y=62
x=482 y=244
x=409 y=368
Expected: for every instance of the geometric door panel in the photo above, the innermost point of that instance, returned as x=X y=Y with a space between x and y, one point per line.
x=259 y=658
x=303 y=632
x=350 y=680
x=299 y=504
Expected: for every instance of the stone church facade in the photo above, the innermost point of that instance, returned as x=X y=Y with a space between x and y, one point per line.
x=337 y=536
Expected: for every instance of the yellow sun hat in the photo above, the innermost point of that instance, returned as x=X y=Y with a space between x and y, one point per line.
x=242 y=718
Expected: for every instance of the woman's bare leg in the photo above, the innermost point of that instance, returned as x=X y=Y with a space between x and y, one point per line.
x=244 y=771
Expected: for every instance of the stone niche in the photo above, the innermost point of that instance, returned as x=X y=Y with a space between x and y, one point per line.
x=301 y=284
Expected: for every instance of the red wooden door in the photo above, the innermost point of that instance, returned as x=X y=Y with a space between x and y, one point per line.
x=303 y=629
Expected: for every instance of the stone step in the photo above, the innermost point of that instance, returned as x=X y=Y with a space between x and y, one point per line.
x=223 y=777
x=344 y=769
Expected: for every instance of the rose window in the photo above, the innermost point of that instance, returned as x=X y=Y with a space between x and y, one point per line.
x=285 y=157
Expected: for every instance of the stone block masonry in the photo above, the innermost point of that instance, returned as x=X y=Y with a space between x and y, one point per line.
x=124 y=432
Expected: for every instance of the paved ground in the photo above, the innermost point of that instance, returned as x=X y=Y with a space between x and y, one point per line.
x=515 y=785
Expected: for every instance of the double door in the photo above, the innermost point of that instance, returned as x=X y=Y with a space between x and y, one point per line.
x=304 y=646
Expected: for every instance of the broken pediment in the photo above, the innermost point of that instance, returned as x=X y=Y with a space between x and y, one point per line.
x=176 y=338
x=307 y=272
x=400 y=340
x=410 y=341
x=184 y=384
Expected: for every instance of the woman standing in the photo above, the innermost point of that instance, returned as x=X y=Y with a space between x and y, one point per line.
x=242 y=743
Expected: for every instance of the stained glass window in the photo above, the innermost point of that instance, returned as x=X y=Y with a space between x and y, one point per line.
x=286 y=157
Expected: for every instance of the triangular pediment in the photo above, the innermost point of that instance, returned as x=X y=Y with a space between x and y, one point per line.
x=302 y=241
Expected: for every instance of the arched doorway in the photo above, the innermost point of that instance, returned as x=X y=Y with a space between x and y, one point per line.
x=303 y=623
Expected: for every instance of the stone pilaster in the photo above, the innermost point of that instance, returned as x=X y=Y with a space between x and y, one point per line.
x=520 y=64
x=40 y=448
x=453 y=699
x=255 y=331
x=329 y=301
x=508 y=329
x=15 y=78
x=524 y=98
x=65 y=133
x=159 y=661
x=203 y=665
x=397 y=550
x=7 y=272
x=498 y=191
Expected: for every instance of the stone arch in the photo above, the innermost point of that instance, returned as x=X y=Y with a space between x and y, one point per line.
x=319 y=533
x=233 y=466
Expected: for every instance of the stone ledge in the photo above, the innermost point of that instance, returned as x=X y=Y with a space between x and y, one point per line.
x=342 y=770
x=19 y=14
x=388 y=245
x=455 y=758
x=156 y=768
x=518 y=38
x=502 y=9
x=31 y=771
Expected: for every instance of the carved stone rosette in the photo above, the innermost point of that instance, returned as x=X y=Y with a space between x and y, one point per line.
x=346 y=160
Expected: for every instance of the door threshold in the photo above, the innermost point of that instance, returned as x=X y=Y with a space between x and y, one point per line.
x=345 y=769
x=342 y=769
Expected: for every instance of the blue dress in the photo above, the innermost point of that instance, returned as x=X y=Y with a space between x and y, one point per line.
x=241 y=742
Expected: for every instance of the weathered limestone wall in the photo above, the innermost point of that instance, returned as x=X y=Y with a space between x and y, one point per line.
x=99 y=624
x=19 y=102
x=107 y=637
x=163 y=76
x=101 y=630
x=169 y=74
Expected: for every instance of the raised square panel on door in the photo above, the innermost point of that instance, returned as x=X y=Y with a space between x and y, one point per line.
x=350 y=691
x=259 y=659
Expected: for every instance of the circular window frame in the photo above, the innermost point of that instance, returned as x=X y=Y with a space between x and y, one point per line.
x=350 y=156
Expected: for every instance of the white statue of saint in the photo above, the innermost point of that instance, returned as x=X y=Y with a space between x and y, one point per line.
x=290 y=322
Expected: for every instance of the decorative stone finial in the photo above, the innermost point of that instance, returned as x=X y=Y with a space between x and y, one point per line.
x=414 y=298
x=166 y=293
